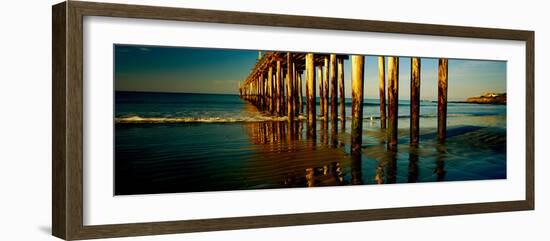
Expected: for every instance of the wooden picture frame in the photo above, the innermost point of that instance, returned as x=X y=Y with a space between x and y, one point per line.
x=67 y=150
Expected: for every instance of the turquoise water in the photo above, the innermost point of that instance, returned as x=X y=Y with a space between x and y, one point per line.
x=166 y=143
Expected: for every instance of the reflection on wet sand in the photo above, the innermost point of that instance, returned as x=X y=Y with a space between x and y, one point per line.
x=413 y=163
x=334 y=133
x=440 y=162
x=356 y=170
x=308 y=163
x=386 y=169
x=298 y=159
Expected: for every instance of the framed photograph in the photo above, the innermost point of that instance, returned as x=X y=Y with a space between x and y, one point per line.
x=171 y=120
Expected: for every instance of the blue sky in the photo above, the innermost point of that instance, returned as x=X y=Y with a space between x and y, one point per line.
x=199 y=70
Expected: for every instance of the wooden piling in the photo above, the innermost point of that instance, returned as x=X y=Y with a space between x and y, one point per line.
x=289 y=87
x=307 y=90
x=282 y=88
x=393 y=100
x=442 y=99
x=262 y=93
x=270 y=88
x=342 y=95
x=278 y=88
x=321 y=92
x=382 y=87
x=295 y=89
x=283 y=92
x=415 y=100
x=300 y=101
x=357 y=76
x=254 y=92
x=333 y=90
x=265 y=91
x=311 y=97
x=326 y=88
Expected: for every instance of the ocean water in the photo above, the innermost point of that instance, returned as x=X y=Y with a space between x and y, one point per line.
x=174 y=142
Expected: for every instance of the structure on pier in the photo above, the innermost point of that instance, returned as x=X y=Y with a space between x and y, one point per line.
x=275 y=86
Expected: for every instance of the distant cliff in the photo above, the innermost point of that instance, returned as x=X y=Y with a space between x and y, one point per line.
x=488 y=98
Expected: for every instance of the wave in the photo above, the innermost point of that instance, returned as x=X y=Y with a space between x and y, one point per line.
x=167 y=120
x=158 y=120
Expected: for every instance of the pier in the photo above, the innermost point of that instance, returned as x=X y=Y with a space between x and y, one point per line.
x=274 y=85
